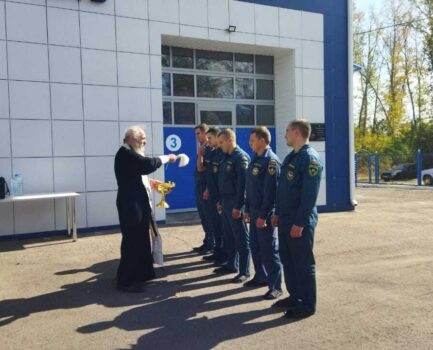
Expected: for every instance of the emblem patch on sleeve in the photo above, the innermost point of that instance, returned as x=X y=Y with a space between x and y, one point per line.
x=244 y=163
x=313 y=168
x=290 y=175
x=272 y=167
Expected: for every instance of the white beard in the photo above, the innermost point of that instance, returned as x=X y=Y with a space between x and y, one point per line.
x=140 y=149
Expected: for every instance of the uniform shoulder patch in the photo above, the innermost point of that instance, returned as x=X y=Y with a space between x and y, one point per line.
x=244 y=162
x=272 y=167
x=313 y=167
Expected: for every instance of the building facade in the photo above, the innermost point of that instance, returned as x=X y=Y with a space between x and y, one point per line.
x=74 y=74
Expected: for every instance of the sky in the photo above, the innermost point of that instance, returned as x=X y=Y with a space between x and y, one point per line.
x=364 y=5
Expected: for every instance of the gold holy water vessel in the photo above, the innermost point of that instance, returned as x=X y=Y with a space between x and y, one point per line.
x=164 y=188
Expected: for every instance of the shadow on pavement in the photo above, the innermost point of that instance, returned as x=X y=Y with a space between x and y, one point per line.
x=178 y=319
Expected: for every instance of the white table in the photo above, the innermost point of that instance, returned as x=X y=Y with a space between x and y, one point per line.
x=71 y=223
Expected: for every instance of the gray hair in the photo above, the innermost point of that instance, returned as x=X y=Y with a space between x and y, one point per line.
x=133 y=131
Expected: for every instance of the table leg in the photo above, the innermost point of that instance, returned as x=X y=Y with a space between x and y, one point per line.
x=68 y=216
x=74 y=223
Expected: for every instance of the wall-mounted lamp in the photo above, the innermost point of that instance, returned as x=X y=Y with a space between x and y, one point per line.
x=231 y=29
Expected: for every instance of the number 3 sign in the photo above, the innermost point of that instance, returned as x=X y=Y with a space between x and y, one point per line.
x=173 y=143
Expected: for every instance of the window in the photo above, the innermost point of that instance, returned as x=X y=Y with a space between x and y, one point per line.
x=238 y=88
x=245 y=114
x=165 y=56
x=216 y=117
x=166 y=84
x=183 y=85
x=214 y=87
x=184 y=113
x=265 y=89
x=264 y=65
x=216 y=61
x=182 y=58
x=166 y=112
x=244 y=89
x=244 y=63
x=265 y=115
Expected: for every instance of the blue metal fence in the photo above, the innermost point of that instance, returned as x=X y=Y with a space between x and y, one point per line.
x=414 y=169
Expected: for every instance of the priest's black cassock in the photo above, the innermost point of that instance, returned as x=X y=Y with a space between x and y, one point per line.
x=135 y=216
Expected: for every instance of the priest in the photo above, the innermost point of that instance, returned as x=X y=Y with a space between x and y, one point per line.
x=136 y=218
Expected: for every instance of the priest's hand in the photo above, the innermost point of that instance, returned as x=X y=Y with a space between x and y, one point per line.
x=172 y=158
x=154 y=183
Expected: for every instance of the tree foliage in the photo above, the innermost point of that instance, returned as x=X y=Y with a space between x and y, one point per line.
x=393 y=92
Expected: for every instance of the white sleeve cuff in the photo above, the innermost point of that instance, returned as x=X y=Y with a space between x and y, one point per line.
x=164 y=159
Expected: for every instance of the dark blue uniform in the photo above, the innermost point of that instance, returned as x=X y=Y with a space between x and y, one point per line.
x=297 y=193
x=261 y=190
x=212 y=162
x=232 y=178
x=200 y=187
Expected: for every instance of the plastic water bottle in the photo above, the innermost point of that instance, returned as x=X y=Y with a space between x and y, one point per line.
x=17 y=185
